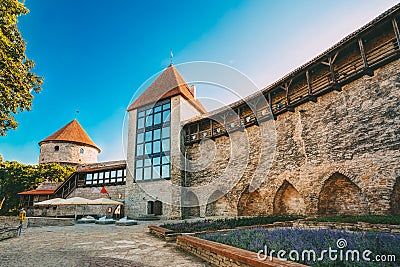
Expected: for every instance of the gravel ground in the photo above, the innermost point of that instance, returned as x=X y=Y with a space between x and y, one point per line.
x=92 y=245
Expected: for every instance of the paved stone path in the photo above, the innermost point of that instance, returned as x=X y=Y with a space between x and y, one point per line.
x=92 y=245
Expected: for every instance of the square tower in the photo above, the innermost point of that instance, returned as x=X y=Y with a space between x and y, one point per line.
x=154 y=160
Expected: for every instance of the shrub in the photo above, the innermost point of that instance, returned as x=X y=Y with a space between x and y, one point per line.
x=210 y=225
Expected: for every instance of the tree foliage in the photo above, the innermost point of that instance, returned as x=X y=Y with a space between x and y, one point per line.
x=16 y=177
x=17 y=81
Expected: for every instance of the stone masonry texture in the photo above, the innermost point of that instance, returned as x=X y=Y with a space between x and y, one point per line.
x=339 y=155
x=67 y=153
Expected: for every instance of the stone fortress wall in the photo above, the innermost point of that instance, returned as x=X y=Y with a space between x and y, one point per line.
x=67 y=153
x=339 y=155
x=335 y=123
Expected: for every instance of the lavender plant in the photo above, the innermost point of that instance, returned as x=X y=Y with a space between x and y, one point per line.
x=209 y=225
x=289 y=239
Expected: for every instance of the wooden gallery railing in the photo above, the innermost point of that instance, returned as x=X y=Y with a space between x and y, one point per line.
x=357 y=55
x=68 y=186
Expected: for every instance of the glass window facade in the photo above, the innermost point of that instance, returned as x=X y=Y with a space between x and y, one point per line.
x=106 y=177
x=153 y=142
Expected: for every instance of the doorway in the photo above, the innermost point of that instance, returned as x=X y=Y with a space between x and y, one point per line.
x=150 y=207
x=157 y=207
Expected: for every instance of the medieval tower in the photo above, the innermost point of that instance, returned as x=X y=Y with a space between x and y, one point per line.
x=68 y=146
x=154 y=145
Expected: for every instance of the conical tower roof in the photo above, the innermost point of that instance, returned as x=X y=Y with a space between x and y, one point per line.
x=170 y=83
x=72 y=132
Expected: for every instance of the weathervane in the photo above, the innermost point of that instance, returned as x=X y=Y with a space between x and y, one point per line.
x=171 y=55
x=76 y=113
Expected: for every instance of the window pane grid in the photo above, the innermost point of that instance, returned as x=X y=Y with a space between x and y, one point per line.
x=105 y=177
x=153 y=143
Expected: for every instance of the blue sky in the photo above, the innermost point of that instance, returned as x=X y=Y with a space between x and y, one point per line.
x=94 y=54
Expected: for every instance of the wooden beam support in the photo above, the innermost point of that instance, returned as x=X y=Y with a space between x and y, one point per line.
x=396 y=31
x=270 y=102
x=331 y=60
x=310 y=96
x=224 y=117
x=367 y=69
x=290 y=108
x=286 y=87
x=253 y=106
x=332 y=70
x=336 y=86
x=309 y=83
x=287 y=97
x=361 y=45
x=240 y=125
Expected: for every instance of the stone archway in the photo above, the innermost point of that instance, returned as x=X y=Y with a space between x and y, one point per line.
x=218 y=205
x=251 y=204
x=395 y=199
x=339 y=195
x=288 y=200
x=190 y=206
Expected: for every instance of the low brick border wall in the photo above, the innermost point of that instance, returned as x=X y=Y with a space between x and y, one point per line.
x=360 y=226
x=163 y=233
x=170 y=235
x=9 y=220
x=49 y=221
x=224 y=255
x=8 y=232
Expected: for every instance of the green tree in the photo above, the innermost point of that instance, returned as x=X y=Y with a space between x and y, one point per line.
x=16 y=177
x=17 y=81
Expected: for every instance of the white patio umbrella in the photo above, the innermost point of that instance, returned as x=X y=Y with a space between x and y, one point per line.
x=76 y=201
x=50 y=202
x=104 y=201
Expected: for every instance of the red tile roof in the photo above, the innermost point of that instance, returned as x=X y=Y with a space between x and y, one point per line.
x=72 y=132
x=170 y=83
x=37 y=192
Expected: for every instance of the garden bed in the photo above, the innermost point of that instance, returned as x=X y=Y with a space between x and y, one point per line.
x=220 y=224
x=251 y=234
x=289 y=239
